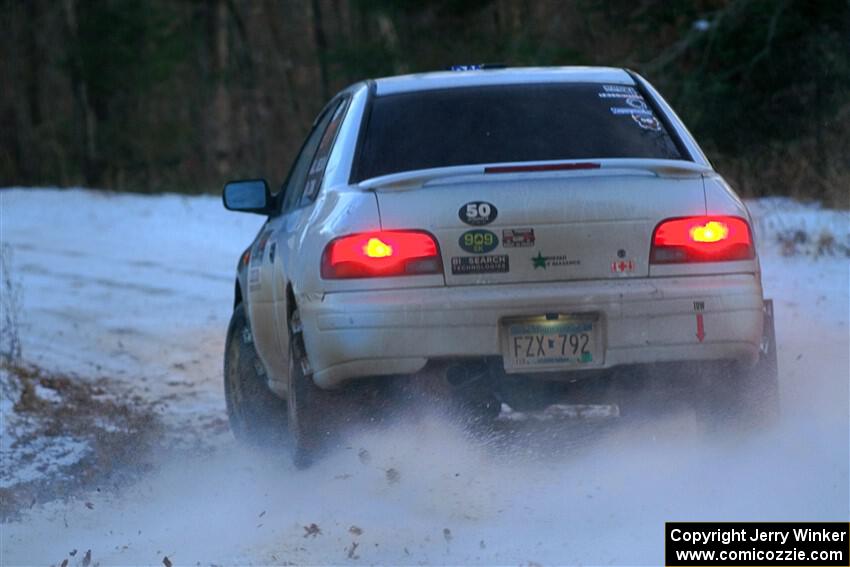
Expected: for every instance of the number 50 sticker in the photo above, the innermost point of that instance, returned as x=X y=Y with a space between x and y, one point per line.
x=478 y=213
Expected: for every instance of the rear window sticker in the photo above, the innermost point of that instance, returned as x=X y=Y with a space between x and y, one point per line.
x=630 y=110
x=636 y=102
x=622 y=89
x=647 y=122
x=494 y=264
x=616 y=95
x=635 y=106
x=518 y=237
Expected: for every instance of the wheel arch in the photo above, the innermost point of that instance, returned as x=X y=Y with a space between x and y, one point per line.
x=290 y=302
x=237 y=294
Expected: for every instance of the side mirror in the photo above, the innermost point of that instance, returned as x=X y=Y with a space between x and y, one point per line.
x=248 y=196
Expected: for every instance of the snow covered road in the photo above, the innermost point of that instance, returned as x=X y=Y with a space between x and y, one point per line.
x=138 y=290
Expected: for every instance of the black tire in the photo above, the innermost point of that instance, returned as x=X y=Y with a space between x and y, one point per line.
x=257 y=416
x=316 y=416
x=746 y=396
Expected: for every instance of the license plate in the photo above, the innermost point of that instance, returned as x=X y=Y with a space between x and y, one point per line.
x=540 y=344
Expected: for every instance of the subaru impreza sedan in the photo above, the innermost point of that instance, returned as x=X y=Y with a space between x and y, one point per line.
x=511 y=226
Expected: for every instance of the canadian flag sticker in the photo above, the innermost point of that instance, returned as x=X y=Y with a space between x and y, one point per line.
x=622 y=266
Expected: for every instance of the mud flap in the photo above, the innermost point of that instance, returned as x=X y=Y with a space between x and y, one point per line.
x=768 y=337
x=764 y=379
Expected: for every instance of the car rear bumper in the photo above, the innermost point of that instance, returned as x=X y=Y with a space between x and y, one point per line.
x=351 y=335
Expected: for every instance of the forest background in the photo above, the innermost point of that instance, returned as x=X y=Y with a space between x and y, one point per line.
x=182 y=95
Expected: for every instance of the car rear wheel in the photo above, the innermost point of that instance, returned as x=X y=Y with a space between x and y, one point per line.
x=316 y=416
x=746 y=396
x=257 y=417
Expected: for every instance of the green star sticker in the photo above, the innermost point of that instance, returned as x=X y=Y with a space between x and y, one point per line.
x=539 y=261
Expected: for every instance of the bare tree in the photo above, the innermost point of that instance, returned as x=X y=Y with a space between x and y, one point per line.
x=80 y=89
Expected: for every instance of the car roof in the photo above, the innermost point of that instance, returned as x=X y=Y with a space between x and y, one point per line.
x=504 y=76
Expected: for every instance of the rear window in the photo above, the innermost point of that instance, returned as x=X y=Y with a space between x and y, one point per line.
x=509 y=123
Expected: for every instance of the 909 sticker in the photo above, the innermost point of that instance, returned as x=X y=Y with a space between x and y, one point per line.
x=478 y=241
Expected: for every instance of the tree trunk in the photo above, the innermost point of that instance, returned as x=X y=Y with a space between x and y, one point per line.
x=221 y=105
x=321 y=40
x=85 y=116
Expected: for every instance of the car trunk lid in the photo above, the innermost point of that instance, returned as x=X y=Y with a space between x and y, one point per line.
x=538 y=226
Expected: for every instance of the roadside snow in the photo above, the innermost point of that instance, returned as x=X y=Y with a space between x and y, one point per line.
x=47 y=395
x=126 y=287
x=26 y=455
x=43 y=457
x=105 y=275
x=138 y=289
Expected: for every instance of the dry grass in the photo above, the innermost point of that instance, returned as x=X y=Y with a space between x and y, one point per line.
x=816 y=167
x=122 y=434
x=10 y=308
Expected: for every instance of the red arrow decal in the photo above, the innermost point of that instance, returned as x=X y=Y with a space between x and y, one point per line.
x=700 y=328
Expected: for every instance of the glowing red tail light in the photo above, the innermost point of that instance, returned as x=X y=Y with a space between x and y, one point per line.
x=381 y=254
x=702 y=239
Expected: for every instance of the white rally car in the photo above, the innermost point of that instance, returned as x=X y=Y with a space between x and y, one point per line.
x=505 y=226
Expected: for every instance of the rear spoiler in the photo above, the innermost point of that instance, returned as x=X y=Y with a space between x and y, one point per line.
x=421 y=177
